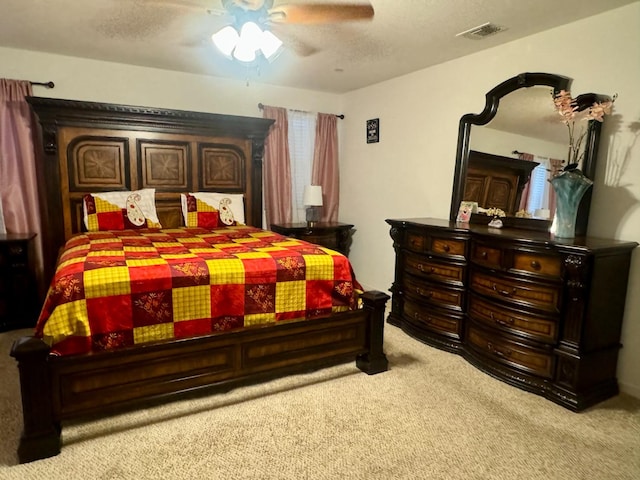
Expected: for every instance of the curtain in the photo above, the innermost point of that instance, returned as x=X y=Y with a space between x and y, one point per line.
x=18 y=185
x=524 y=199
x=277 y=172
x=325 y=170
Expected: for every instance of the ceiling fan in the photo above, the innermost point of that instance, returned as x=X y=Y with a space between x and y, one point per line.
x=262 y=23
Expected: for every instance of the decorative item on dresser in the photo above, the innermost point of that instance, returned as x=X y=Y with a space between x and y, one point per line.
x=17 y=284
x=537 y=311
x=334 y=235
x=540 y=314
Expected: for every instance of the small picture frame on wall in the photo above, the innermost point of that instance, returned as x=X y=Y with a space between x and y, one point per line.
x=465 y=211
x=373 y=130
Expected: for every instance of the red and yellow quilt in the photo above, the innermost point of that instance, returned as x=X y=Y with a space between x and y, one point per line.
x=121 y=288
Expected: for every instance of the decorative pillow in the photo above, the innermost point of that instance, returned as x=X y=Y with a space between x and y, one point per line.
x=120 y=210
x=210 y=210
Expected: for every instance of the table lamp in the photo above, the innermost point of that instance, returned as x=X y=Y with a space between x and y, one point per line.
x=312 y=199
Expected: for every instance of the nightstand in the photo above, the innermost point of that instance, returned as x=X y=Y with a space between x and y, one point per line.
x=18 y=297
x=334 y=235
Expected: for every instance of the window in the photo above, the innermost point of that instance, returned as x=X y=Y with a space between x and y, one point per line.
x=302 y=134
x=539 y=186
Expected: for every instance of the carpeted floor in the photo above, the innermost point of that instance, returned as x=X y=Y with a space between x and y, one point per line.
x=431 y=416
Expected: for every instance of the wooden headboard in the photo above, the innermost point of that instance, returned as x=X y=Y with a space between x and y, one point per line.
x=86 y=147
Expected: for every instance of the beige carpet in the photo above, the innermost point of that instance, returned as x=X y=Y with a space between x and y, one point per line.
x=431 y=416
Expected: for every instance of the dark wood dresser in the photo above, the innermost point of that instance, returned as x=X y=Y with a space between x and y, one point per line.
x=18 y=296
x=334 y=235
x=539 y=313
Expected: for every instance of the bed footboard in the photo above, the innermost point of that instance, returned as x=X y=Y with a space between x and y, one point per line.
x=56 y=388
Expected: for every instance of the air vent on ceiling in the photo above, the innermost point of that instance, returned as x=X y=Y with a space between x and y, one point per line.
x=482 y=31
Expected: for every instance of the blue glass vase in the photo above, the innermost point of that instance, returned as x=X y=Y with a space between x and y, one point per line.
x=570 y=186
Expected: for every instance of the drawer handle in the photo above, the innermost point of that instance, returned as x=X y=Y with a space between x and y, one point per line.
x=499 y=321
x=497 y=352
x=446 y=247
x=426 y=270
x=484 y=255
x=504 y=293
x=535 y=265
x=422 y=293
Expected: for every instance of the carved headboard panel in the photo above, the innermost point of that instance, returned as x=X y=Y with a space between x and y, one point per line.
x=92 y=147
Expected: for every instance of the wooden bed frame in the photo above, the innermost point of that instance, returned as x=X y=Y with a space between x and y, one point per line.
x=91 y=147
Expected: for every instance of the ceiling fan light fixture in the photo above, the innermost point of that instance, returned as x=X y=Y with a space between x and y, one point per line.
x=244 y=52
x=250 y=36
x=226 y=40
x=271 y=46
x=243 y=46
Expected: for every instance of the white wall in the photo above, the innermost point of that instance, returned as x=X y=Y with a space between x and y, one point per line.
x=485 y=139
x=98 y=81
x=410 y=172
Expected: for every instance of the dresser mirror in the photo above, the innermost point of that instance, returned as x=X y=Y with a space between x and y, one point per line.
x=518 y=118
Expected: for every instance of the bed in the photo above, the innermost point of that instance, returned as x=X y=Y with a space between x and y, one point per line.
x=88 y=148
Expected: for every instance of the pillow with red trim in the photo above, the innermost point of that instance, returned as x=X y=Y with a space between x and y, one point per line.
x=211 y=210
x=120 y=210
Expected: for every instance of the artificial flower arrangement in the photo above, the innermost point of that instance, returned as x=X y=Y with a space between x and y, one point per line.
x=495 y=212
x=583 y=107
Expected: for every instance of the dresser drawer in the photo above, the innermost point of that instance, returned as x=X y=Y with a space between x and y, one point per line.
x=448 y=246
x=327 y=240
x=486 y=255
x=439 y=322
x=515 y=291
x=416 y=241
x=537 y=263
x=434 y=294
x=518 y=322
x=13 y=255
x=419 y=241
x=428 y=268
x=532 y=360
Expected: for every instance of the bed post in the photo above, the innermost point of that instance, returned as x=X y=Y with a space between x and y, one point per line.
x=41 y=433
x=374 y=361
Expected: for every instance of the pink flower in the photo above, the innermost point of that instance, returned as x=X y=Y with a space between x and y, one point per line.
x=570 y=110
x=598 y=110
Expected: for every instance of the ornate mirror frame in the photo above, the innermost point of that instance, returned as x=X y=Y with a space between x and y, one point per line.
x=523 y=80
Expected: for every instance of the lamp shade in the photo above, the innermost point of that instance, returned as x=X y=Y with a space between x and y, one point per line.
x=250 y=40
x=312 y=196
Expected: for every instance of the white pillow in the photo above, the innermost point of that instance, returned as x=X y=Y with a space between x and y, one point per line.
x=146 y=202
x=235 y=203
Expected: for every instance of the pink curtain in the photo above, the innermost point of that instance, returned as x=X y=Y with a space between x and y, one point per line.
x=18 y=185
x=325 y=169
x=277 y=168
x=524 y=199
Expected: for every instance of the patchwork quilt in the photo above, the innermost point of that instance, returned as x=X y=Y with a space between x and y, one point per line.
x=121 y=288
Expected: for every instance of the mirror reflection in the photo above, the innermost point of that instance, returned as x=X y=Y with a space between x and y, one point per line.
x=512 y=157
x=507 y=152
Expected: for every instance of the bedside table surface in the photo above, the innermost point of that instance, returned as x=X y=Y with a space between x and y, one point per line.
x=16 y=237
x=318 y=226
x=334 y=235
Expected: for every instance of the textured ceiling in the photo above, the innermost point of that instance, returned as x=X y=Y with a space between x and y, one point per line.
x=404 y=35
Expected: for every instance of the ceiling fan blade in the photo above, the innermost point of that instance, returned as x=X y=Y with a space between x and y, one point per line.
x=320 y=13
x=292 y=42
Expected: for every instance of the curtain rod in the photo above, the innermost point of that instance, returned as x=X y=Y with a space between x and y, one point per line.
x=44 y=84
x=261 y=106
